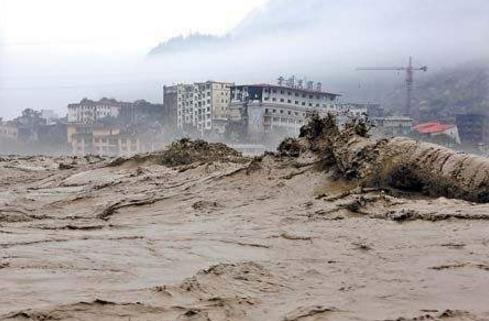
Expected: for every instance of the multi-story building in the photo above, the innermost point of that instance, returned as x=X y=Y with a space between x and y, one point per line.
x=473 y=129
x=112 y=141
x=89 y=111
x=276 y=110
x=201 y=108
x=104 y=126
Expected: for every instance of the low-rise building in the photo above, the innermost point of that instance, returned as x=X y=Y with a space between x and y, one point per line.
x=110 y=127
x=444 y=134
x=113 y=141
x=89 y=111
x=391 y=126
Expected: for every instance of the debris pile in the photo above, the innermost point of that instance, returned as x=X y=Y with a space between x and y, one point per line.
x=401 y=163
x=186 y=152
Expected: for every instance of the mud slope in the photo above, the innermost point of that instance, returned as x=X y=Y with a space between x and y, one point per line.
x=230 y=238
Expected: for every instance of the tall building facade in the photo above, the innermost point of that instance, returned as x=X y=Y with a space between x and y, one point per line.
x=277 y=109
x=199 y=107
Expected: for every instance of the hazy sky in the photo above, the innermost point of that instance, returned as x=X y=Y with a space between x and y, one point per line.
x=53 y=52
x=130 y=24
x=56 y=52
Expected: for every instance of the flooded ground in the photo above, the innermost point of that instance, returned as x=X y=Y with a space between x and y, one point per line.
x=274 y=238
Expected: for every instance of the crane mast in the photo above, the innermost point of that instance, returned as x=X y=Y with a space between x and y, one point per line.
x=409 y=80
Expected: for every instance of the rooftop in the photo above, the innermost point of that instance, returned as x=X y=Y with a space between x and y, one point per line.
x=433 y=127
x=290 y=88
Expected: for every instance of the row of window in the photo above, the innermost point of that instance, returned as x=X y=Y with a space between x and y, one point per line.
x=93 y=107
x=191 y=103
x=282 y=100
x=198 y=111
x=289 y=93
x=281 y=111
x=191 y=96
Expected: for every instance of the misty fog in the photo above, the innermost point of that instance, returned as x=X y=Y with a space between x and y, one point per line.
x=323 y=40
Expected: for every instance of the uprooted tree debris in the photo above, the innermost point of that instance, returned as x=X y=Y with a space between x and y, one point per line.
x=399 y=162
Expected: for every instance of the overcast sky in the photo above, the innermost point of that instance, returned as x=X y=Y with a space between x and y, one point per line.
x=56 y=52
x=49 y=48
x=130 y=24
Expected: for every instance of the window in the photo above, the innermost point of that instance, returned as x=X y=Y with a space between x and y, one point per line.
x=290 y=113
x=296 y=102
x=289 y=101
x=266 y=110
x=274 y=111
x=282 y=100
x=281 y=111
x=274 y=99
x=289 y=93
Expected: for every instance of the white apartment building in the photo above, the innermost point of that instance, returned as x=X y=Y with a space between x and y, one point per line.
x=278 y=109
x=202 y=107
x=88 y=111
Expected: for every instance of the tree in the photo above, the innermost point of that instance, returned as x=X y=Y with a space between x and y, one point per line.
x=31 y=118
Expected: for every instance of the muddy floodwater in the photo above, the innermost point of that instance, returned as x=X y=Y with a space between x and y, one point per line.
x=274 y=238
